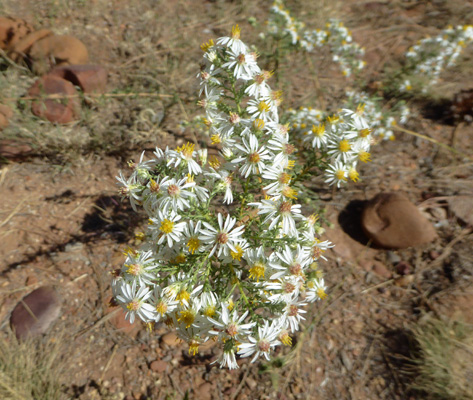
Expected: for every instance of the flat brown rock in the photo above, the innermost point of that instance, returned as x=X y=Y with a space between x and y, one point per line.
x=12 y=30
x=34 y=314
x=390 y=220
x=62 y=110
x=57 y=50
x=90 y=78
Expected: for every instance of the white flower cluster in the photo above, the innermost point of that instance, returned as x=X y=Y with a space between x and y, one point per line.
x=381 y=121
x=340 y=140
x=430 y=56
x=227 y=254
x=281 y=23
x=335 y=35
x=344 y=50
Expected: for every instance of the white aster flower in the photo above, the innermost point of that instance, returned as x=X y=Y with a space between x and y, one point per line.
x=262 y=343
x=224 y=238
x=252 y=157
x=132 y=298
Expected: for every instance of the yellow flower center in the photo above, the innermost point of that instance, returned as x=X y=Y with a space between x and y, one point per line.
x=214 y=162
x=206 y=46
x=133 y=305
x=364 y=156
x=161 y=307
x=236 y=32
x=321 y=293
x=364 y=132
x=285 y=338
x=258 y=124
x=318 y=130
x=134 y=269
x=183 y=295
x=187 y=317
x=353 y=175
x=238 y=254
x=284 y=178
x=166 y=226
x=340 y=175
x=209 y=311
x=187 y=150
x=193 y=244
x=193 y=347
x=344 y=146
x=257 y=271
x=289 y=192
x=263 y=106
x=254 y=158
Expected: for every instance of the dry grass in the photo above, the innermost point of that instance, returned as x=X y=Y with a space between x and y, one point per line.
x=445 y=360
x=32 y=369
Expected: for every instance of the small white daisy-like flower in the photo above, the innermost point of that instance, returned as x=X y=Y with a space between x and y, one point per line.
x=138 y=266
x=191 y=234
x=259 y=88
x=224 y=238
x=225 y=180
x=261 y=109
x=340 y=148
x=231 y=326
x=252 y=157
x=244 y=65
x=162 y=304
x=280 y=212
x=130 y=189
x=257 y=263
x=227 y=358
x=316 y=290
x=283 y=289
x=233 y=42
x=176 y=193
x=166 y=228
x=283 y=150
x=336 y=173
x=132 y=298
x=262 y=343
x=185 y=155
x=293 y=314
x=292 y=262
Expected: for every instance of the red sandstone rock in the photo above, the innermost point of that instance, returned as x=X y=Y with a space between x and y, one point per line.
x=392 y=221
x=158 y=366
x=90 y=78
x=35 y=313
x=63 y=110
